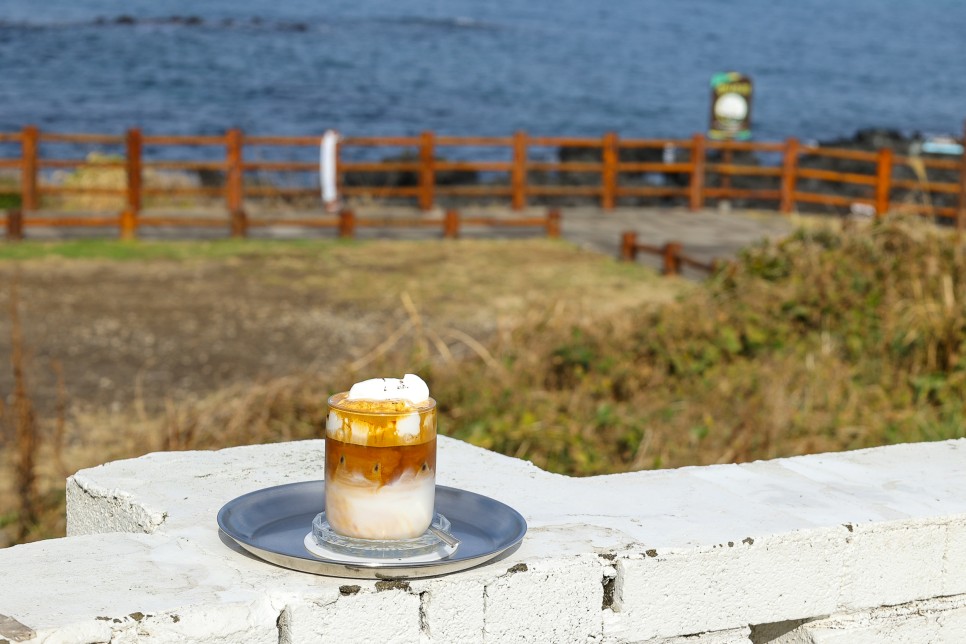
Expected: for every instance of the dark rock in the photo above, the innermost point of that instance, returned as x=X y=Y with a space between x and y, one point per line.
x=872 y=140
x=409 y=178
x=189 y=21
x=456 y=177
x=390 y=178
x=211 y=178
x=669 y=154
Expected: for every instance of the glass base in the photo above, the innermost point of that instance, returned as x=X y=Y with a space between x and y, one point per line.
x=426 y=544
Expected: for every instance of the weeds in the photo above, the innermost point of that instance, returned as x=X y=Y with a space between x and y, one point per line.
x=828 y=340
x=26 y=436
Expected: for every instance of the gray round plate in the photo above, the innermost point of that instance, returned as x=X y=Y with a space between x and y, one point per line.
x=272 y=524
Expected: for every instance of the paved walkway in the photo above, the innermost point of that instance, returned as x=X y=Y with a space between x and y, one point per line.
x=705 y=235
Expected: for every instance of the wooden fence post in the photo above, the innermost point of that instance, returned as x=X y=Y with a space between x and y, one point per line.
x=451 y=224
x=883 y=181
x=234 y=182
x=427 y=172
x=608 y=178
x=696 y=200
x=553 y=223
x=29 y=150
x=961 y=215
x=789 y=171
x=672 y=258
x=15 y=225
x=339 y=175
x=629 y=246
x=518 y=176
x=347 y=224
x=727 y=159
x=129 y=216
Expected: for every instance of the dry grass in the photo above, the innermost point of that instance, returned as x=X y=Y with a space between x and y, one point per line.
x=107 y=172
x=390 y=304
x=26 y=438
x=826 y=341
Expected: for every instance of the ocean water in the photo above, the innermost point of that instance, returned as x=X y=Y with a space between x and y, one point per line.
x=822 y=68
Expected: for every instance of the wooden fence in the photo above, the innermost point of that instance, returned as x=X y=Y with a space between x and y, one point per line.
x=607 y=170
x=450 y=225
x=671 y=253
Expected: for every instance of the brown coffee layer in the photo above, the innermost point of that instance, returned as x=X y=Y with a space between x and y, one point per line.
x=364 y=465
x=380 y=423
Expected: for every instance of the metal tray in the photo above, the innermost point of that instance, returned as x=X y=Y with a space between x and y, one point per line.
x=272 y=524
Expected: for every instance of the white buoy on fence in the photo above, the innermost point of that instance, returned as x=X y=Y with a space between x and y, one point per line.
x=327 y=170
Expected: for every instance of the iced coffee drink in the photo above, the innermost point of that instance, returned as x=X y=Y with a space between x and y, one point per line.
x=380 y=459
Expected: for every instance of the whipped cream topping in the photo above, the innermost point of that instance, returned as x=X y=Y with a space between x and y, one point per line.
x=410 y=387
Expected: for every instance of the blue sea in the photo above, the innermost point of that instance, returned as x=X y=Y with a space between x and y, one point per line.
x=822 y=68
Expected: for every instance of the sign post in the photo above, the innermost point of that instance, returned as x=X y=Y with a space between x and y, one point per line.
x=730 y=107
x=730 y=119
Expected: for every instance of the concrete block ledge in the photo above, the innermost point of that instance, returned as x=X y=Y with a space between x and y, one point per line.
x=864 y=546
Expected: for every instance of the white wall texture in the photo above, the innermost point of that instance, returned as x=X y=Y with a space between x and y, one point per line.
x=865 y=546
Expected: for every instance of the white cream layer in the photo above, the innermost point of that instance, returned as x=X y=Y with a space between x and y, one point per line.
x=400 y=510
x=410 y=387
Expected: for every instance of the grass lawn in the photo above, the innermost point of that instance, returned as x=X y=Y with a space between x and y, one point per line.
x=132 y=346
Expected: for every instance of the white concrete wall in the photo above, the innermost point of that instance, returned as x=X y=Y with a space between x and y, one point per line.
x=866 y=546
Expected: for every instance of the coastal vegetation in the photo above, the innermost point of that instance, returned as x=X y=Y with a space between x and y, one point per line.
x=823 y=342
x=834 y=338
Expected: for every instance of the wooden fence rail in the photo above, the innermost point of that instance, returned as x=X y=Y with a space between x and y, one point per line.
x=450 y=225
x=607 y=169
x=671 y=254
x=346 y=223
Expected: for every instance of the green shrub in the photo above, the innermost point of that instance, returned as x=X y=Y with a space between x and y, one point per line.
x=828 y=340
x=9 y=200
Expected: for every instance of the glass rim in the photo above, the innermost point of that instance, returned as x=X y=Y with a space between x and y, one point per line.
x=428 y=405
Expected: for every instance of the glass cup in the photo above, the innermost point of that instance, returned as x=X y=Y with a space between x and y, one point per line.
x=380 y=467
